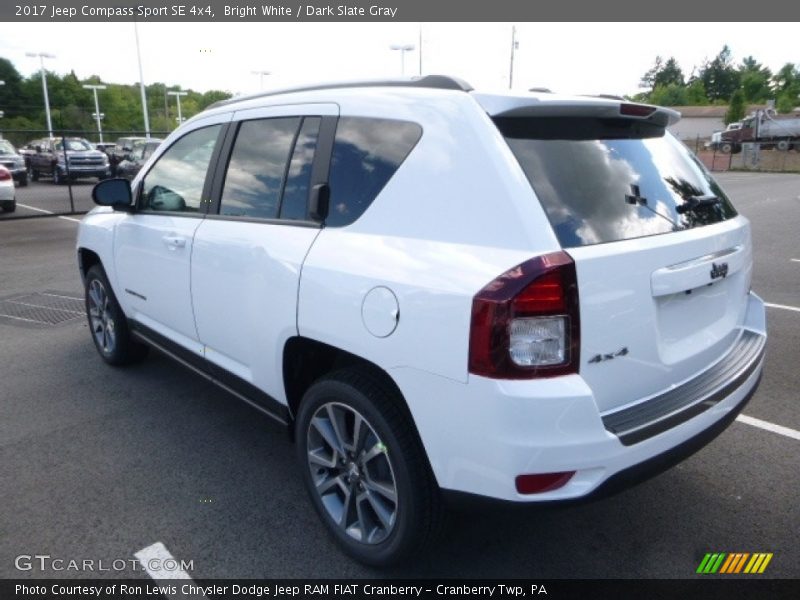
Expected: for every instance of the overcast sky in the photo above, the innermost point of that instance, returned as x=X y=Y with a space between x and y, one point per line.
x=565 y=57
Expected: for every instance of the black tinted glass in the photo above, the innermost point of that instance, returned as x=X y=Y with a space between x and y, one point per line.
x=295 y=193
x=257 y=167
x=604 y=181
x=366 y=154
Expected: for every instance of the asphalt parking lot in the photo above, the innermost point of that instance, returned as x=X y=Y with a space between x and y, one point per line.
x=99 y=463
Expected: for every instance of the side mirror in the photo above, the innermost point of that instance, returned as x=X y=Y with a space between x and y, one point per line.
x=115 y=193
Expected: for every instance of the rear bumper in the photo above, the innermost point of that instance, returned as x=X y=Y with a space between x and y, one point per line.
x=479 y=436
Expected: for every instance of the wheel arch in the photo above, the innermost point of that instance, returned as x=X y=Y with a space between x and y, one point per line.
x=306 y=360
x=86 y=260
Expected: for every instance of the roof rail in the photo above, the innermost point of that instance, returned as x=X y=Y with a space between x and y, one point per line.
x=440 y=82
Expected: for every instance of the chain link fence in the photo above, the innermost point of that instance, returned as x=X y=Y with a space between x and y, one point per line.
x=773 y=157
x=54 y=175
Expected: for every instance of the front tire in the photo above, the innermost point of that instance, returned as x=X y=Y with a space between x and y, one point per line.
x=365 y=469
x=107 y=322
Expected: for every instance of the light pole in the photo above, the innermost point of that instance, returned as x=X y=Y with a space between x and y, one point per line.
x=1 y=112
x=403 y=48
x=94 y=89
x=514 y=48
x=261 y=77
x=141 y=83
x=42 y=56
x=178 y=95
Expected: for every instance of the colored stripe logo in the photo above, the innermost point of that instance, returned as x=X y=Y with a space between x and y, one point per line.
x=734 y=563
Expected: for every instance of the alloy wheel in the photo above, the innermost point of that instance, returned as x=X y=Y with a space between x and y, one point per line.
x=352 y=473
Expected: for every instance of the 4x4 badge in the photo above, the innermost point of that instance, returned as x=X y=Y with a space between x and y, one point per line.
x=603 y=357
x=719 y=270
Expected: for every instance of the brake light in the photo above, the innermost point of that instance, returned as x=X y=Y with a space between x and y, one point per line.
x=636 y=110
x=525 y=324
x=5 y=174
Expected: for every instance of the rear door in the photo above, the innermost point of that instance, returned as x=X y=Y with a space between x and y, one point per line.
x=663 y=261
x=249 y=251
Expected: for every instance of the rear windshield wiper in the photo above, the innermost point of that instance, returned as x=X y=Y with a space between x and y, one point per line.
x=637 y=199
x=694 y=202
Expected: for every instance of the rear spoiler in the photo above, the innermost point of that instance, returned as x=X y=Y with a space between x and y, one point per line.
x=534 y=106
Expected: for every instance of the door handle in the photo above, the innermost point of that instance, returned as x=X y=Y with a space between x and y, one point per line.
x=174 y=241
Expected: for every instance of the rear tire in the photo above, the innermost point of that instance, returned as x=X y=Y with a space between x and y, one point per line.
x=726 y=148
x=58 y=178
x=23 y=181
x=10 y=206
x=782 y=146
x=107 y=322
x=365 y=470
x=34 y=174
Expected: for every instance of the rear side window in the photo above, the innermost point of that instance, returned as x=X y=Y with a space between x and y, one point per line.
x=257 y=167
x=604 y=180
x=366 y=153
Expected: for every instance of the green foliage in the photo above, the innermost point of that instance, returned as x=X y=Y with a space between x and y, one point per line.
x=736 y=109
x=696 y=94
x=786 y=103
x=663 y=74
x=719 y=76
x=72 y=106
x=672 y=94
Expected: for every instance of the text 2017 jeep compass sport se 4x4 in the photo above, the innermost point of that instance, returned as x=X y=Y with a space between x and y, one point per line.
x=522 y=297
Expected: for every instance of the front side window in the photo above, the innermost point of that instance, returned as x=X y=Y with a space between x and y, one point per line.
x=175 y=183
x=257 y=168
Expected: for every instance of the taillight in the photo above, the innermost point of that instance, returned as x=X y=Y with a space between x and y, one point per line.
x=5 y=174
x=526 y=323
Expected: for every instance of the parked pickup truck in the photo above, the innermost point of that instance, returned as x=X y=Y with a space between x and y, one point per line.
x=67 y=158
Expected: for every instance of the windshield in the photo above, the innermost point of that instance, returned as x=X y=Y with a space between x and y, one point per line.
x=74 y=145
x=6 y=147
x=604 y=180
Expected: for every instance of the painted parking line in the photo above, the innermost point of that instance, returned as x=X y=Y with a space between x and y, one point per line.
x=161 y=566
x=41 y=210
x=795 y=259
x=783 y=307
x=766 y=425
x=159 y=563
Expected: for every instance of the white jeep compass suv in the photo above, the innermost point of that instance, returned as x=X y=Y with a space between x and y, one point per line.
x=522 y=297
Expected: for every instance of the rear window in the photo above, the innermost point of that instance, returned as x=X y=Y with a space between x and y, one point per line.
x=604 y=180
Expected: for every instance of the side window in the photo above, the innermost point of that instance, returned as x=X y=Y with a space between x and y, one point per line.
x=295 y=193
x=257 y=168
x=175 y=183
x=366 y=153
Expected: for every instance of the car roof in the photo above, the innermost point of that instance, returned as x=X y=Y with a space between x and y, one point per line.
x=537 y=102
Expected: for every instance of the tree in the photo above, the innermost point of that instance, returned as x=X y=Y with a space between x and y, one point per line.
x=719 y=76
x=736 y=109
x=672 y=94
x=662 y=74
x=755 y=80
x=696 y=94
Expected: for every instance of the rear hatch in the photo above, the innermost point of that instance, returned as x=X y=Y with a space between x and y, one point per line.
x=663 y=260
